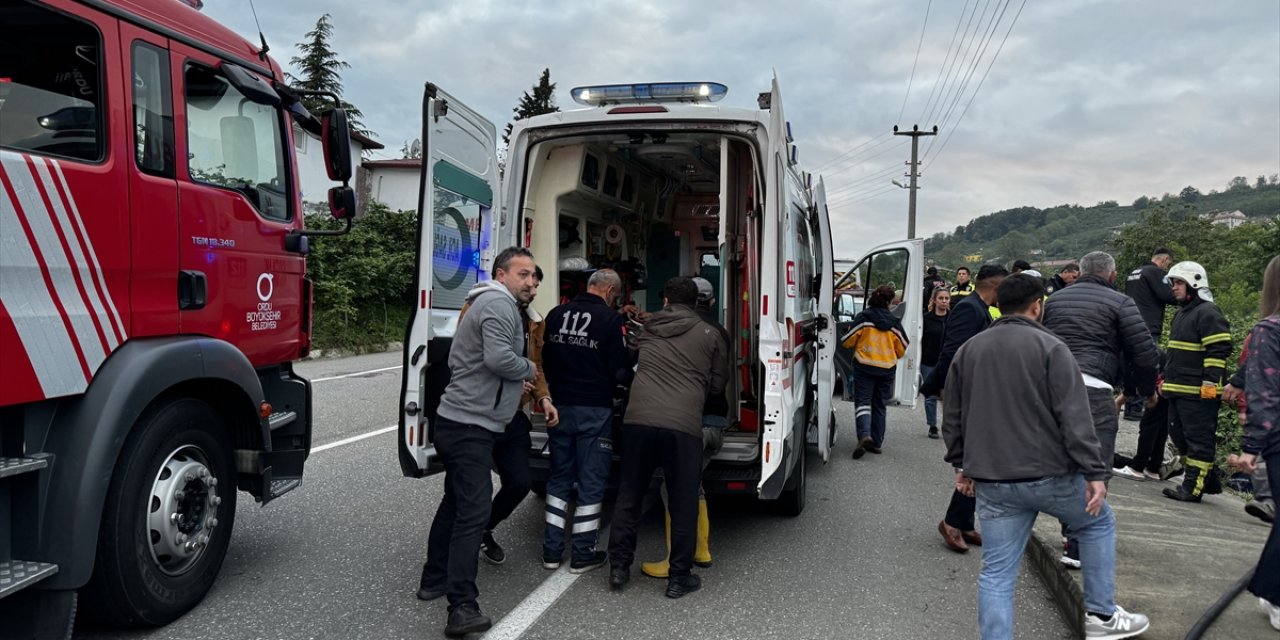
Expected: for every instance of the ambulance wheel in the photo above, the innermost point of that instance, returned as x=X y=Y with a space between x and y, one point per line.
x=831 y=433
x=167 y=519
x=791 y=502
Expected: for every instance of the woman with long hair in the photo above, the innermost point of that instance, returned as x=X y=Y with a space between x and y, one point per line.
x=1261 y=439
x=935 y=325
x=877 y=341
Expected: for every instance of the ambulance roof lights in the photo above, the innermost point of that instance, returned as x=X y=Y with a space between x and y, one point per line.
x=600 y=95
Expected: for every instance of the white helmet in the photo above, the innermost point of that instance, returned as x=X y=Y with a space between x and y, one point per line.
x=1191 y=273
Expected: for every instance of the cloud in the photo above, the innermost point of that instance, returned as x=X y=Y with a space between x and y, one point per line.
x=1087 y=101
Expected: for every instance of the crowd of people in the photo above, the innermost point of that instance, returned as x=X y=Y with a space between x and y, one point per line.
x=1034 y=375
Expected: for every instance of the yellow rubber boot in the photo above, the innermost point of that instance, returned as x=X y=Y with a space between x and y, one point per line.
x=702 y=552
x=661 y=568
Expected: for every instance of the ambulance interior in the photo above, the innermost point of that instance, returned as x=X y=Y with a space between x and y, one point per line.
x=653 y=205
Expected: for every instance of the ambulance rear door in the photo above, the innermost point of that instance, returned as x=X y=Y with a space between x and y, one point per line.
x=826 y=350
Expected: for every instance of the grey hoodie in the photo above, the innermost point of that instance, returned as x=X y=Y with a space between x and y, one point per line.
x=485 y=362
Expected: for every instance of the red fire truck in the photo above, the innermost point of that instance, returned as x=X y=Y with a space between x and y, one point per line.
x=153 y=295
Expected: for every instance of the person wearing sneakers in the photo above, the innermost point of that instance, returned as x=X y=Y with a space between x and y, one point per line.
x=680 y=359
x=968 y=317
x=935 y=325
x=1017 y=424
x=715 y=414
x=1107 y=335
x=877 y=342
x=585 y=358
x=1262 y=506
x=1199 y=345
x=1261 y=438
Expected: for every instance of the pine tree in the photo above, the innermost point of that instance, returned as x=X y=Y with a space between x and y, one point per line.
x=318 y=70
x=543 y=100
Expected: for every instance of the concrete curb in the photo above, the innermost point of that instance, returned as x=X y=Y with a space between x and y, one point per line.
x=326 y=354
x=1044 y=555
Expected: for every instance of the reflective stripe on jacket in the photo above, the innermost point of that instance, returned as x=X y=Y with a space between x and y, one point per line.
x=1199 y=345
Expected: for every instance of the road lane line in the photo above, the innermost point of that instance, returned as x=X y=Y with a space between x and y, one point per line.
x=352 y=439
x=519 y=620
x=356 y=374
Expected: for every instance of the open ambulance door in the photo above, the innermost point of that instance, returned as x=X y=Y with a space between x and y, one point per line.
x=457 y=222
x=900 y=264
x=825 y=370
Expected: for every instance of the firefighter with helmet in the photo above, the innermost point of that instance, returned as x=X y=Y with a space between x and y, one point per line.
x=1199 y=345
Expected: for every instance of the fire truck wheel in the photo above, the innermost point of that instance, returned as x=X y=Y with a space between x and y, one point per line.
x=167 y=519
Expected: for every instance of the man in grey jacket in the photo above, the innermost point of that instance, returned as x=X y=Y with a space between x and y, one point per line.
x=488 y=374
x=1019 y=432
x=681 y=360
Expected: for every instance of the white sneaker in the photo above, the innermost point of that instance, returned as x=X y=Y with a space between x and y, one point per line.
x=1121 y=625
x=1127 y=472
x=1151 y=475
x=1272 y=611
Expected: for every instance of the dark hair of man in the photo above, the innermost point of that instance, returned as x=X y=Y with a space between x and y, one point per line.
x=1021 y=265
x=964 y=269
x=681 y=290
x=503 y=261
x=537 y=273
x=933 y=271
x=1017 y=293
x=1162 y=251
x=1071 y=268
x=881 y=297
x=989 y=271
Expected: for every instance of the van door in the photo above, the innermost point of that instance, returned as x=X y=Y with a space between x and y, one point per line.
x=456 y=228
x=826 y=323
x=776 y=438
x=900 y=265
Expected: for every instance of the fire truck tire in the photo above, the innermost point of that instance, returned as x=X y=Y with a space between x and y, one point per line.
x=34 y=614
x=167 y=519
x=791 y=502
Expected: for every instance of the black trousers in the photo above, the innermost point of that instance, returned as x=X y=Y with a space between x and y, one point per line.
x=1193 y=425
x=511 y=462
x=679 y=455
x=1102 y=406
x=1153 y=433
x=960 y=513
x=1266 y=578
x=453 y=546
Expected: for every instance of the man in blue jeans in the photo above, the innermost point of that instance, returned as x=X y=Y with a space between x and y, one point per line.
x=1020 y=435
x=583 y=356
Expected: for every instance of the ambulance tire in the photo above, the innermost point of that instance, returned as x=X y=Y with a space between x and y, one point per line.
x=791 y=502
x=137 y=579
x=831 y=433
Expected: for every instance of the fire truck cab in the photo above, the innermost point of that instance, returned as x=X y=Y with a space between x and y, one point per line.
x=153 y=296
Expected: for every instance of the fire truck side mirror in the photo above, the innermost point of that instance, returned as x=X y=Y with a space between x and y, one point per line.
x=336 y=133
x=342 y=203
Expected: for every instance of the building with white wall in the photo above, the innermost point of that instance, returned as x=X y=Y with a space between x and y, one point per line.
x=394 y=183
x=312 y=175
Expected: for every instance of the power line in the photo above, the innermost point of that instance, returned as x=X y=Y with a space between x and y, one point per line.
x=846 y=154
x=861 y=182
x=866 y=159
x=863 y=198
x=977 y=59
x=917 y=60
x=945 y=88
x=980 y=82
x=959 y=62
x=960 y=21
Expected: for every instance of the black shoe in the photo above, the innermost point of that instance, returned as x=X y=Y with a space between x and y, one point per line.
x=491 y=550
x=466 y=618
x=1180 y=494
x=861 y=449
x=619 y=577
x=680 y=586
x=874 y=449
x=933 y=433
x=551 y=562
x=427 y=594
x=594 y=561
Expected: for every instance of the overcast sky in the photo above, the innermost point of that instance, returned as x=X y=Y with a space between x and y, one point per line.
x=1087 y=100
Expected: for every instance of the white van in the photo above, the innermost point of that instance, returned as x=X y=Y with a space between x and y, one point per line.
x=654 y=180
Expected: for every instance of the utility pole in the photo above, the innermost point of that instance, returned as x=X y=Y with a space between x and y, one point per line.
x=915 y=134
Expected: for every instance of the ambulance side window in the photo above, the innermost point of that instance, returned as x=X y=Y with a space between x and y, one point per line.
x=50 y=84
x=152 y=110
x=234 y=143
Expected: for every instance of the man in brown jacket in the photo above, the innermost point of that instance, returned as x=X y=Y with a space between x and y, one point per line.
x=681 y=360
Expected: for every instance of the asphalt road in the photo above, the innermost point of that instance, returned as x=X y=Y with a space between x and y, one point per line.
x=339 y=558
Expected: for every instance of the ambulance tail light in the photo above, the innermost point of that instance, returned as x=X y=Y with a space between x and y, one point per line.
x=601 y=95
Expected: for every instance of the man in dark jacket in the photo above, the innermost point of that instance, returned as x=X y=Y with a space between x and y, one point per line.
x=1065 y=278
x=1147 y=286
x=680 y=360
x=970 y=316
x=1019 y=434
x=584 y=357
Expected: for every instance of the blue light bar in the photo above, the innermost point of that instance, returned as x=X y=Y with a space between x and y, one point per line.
x=600 y=95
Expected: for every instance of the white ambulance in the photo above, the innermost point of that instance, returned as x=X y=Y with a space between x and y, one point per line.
x=654 y=180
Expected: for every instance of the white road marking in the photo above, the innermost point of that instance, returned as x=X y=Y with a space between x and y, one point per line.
x=519 y=620
x=356 y=374
x=363 y=436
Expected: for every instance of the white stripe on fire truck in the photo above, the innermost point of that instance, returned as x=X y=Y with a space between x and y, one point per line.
x=74 y=243
x=31 y=308
x=99 y=279
x=56 y=263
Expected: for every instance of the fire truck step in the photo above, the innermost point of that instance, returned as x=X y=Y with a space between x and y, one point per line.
x=281 y=418
x=281 y=487
x=17 y=574
x=16 y=466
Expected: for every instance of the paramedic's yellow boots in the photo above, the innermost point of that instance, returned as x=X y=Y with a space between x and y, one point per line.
x=701 y=553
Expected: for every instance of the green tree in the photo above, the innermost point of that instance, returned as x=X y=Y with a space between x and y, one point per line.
x=1189 y=194
x=1238 y=183
x=319 y=70
x=1141 y=203
x=542 y=100
x=411 y=150
x=1015 y=245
